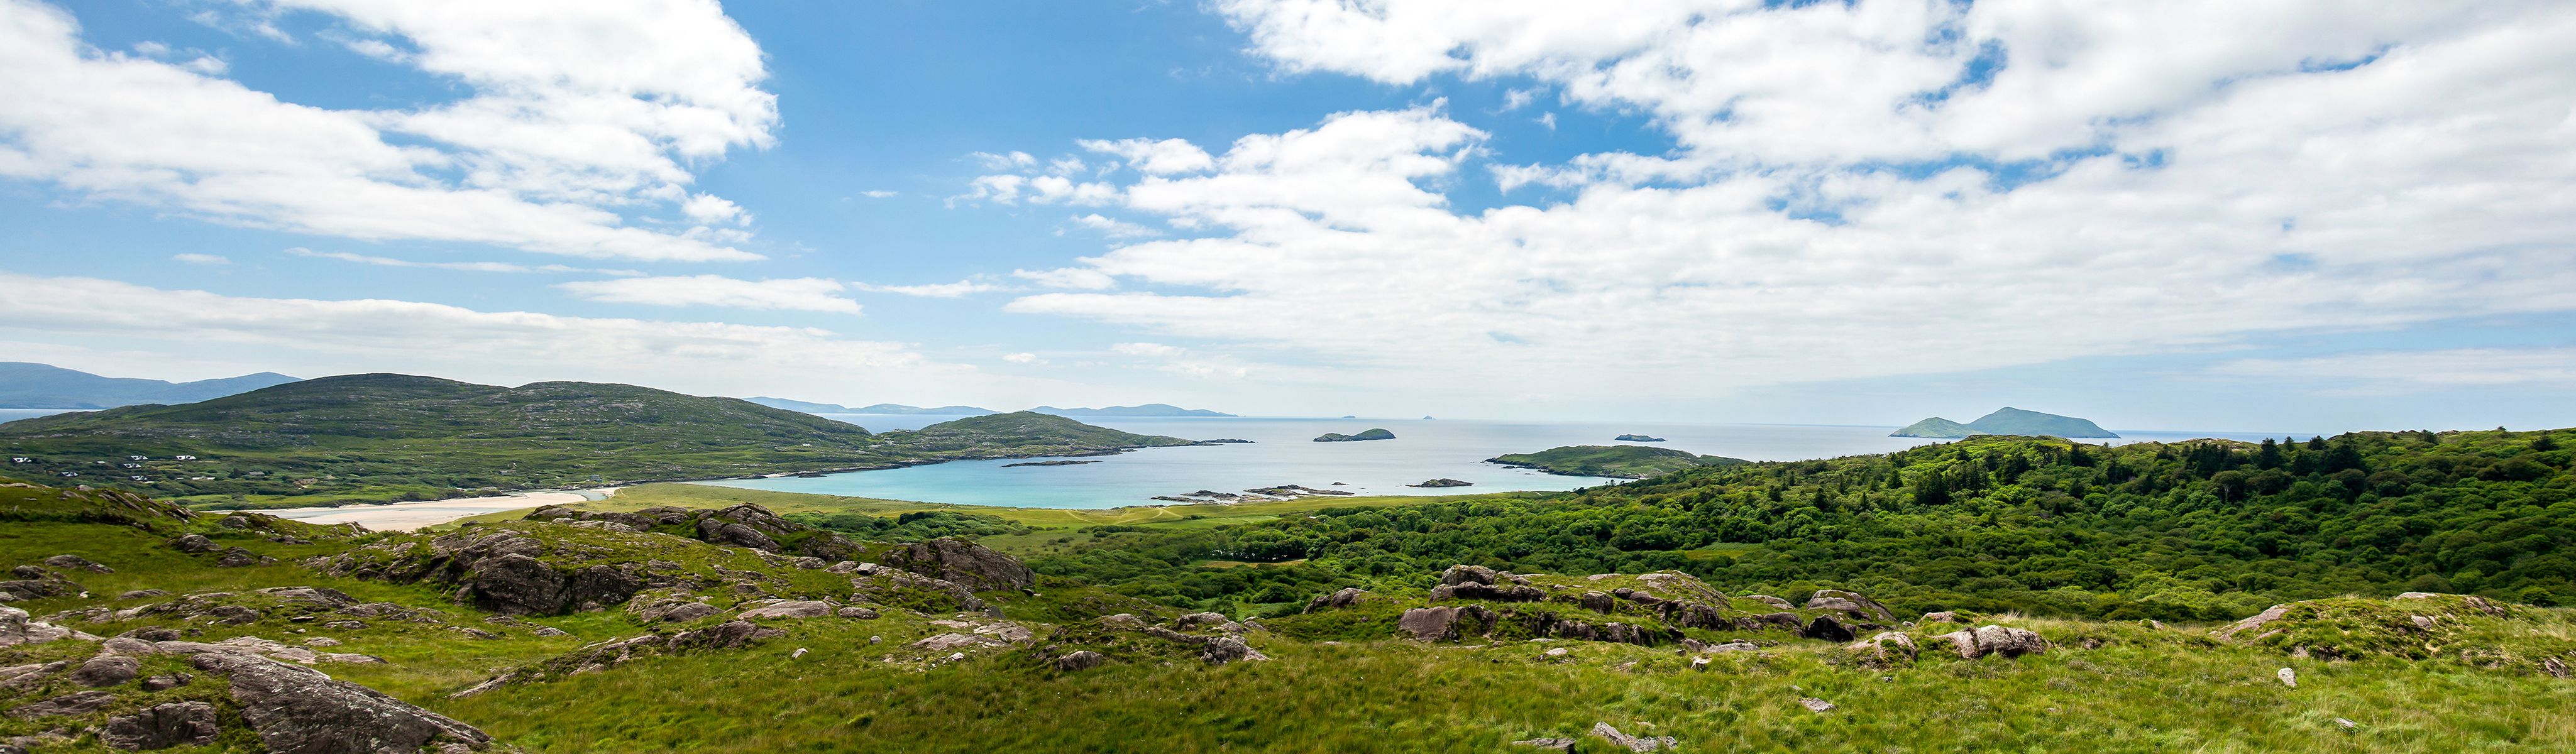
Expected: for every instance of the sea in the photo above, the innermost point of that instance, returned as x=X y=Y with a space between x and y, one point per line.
x=1282 y=451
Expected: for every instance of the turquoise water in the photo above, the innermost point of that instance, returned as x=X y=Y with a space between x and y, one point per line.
x=1283 y=452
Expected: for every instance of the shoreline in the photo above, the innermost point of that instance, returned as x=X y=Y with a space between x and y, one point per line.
x=426 y=513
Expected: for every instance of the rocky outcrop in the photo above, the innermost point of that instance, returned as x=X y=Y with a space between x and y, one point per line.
x=194 y=543
x=1634 y=743
x=958 y=561
x=35 y=583
x=790 y=609
x=1885 y=650
x=162 y=726
x=1991 y=639
x=1082 y=659
x=77 y=563
x=297 y=710
x=1851 y=603
x=16 y=628
x=1443 y=623
x=603 y=655
x=1828 y=628
x=78 y=703
x=1346 y=597
x=110 y=670
x=2253 y=623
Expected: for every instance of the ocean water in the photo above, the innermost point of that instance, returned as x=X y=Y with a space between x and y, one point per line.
x=1283 y=452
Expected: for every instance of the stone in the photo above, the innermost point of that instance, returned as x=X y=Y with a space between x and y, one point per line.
x=1990 y=639
x=1550 y=744
x=167 y=682
x=965 y=563
x=128 y=646
x=78 y=563
x=16 y=628
x=1468 y=574
x=2553 y=667
x=2423 y=622
x=235 y=557
x=1828 y=628
x=109 y=670
x=1816 y=705
x=142 y=594
x=1941 y=617
x=1080 y=660
x=80 y=703
x=1886 y=649
x=1633 y=743
x=856 y=612
x=791 y=609
x=1770 y=600
x=2347 y=724
x=1556 y=652
x=945 y=642
x=664 y=608
x=1699 y=663
x=196 y=543
x=1441 y=623
x=1122 y=621
x=1346 y=597
x=516 y=584
x=296 y=710
x=1851 y=603
x=2258 y=620
x=1225 y=649
x=1596 y=602
x=2288 y=677
x=1200 y=620
x=162 y=726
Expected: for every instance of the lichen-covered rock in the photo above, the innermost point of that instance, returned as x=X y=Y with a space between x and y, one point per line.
x=75 y=562
x=1346 y=597
x=1442 y=623
x=1991 y=639
x=1497 y=593
x=961 y=562
x=194 y=543
x=1080 y=660
x=162 y=726
x=297 y=710
x=109 y=670
x=1850 y=603
x=2257 y=621
x=790 y=609
x=1885 y=650
x=16 y=628
x=78 y=703
x=1468 y=574
x=1634 y=743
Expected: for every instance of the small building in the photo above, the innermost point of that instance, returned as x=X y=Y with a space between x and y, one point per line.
x=71 y=473
x=131 y=465
x=138 y=458
x=137 y=477
x=254 y=473
x=185 y=458
x=21 y=459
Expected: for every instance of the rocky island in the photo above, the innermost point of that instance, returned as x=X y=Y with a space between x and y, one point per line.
x=1374 y=434
x=1443 y=482
x=2007 y=421
x=1616 y=461
x=1638 y=438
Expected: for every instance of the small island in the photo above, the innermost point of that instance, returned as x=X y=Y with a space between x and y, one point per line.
x=1638 y=438
x=1045 y=463
x=1226 y=441
x=1443 y=482
x=2007 y=421
x=1616 y=461
x=1374 y=434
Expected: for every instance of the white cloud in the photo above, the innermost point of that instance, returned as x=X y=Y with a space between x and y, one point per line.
x=931 y=290
x=1145 y=349
x=1009 y=161
x=801 y=294
x=194 y=258
x=1849 y=201
x=1081 y=278
x=1023 y=358
x=877 y=194
x=1113 y=228
x=573 y=116
x=712 y=209
x=1164 y=157
x=459 y=266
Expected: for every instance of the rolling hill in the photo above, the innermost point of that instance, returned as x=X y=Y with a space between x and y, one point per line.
x=1620 y=461
x=392 y=437
x=2008 y=421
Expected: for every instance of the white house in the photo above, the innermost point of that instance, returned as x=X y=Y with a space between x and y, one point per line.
x=71 y=473
x=138 y=458
x=21 y=459
x=185 y=458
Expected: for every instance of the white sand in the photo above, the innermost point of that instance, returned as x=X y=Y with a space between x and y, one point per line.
x=409 y=516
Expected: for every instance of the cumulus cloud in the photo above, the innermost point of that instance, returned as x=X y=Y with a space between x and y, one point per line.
x=194 y=258
x=1114 y=228
x=1879 y=188
x=572 y=117
x=800 y=294
x=1155 y=157
x=1081 y=278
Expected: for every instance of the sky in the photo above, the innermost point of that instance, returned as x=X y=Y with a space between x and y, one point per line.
x=2300 y=216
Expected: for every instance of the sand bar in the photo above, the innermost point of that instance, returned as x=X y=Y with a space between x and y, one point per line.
x=409 y=516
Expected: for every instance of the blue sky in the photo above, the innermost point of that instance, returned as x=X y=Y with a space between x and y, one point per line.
x=2312 y=219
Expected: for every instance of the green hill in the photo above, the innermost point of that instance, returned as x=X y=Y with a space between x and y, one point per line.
x=1363 y=436
x=2008 y=421
x=1620 y=461
x=401 y=437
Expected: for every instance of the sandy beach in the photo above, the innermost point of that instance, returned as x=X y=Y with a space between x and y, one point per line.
x=409 y=516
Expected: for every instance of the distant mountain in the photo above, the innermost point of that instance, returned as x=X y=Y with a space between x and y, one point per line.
x=881 y=408
x=1150 y=409
x=25 y=385
x=376 y=437
x=1621 y=461
x=2008 y=421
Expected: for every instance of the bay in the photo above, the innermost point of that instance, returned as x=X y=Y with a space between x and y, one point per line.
x=1283 y=452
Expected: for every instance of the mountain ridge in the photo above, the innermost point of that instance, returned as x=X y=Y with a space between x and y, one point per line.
x=2008 y=421
x=32 y=385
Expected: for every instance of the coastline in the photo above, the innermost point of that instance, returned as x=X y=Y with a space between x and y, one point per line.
x=426 y=513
